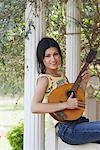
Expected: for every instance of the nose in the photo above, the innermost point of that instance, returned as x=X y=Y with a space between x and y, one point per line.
x=52 y=58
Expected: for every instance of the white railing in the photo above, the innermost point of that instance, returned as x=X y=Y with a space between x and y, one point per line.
x=92 y=103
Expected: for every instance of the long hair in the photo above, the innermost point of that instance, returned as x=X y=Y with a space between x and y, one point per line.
x=43 y=45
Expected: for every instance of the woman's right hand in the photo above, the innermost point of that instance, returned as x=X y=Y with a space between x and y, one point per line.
x=73 y=103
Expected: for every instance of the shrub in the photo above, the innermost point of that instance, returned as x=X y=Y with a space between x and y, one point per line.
x=15 y=136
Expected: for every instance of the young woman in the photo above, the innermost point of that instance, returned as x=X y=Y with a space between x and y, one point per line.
x=75 y=132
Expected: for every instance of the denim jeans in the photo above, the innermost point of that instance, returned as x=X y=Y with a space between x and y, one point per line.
x=79 y=132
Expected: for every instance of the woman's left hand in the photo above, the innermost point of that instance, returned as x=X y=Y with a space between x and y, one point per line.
x=85 y=78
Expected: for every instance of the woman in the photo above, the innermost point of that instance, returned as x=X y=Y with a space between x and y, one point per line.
x=75 y=132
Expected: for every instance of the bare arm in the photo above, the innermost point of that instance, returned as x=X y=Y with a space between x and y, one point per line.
x=39 y=107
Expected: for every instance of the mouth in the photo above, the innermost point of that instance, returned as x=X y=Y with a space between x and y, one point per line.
x=53 y=63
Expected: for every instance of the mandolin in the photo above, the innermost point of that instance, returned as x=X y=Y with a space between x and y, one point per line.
x=62 y=93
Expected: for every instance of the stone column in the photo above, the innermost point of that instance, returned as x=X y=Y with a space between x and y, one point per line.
x=33 y=123
x=72 y=39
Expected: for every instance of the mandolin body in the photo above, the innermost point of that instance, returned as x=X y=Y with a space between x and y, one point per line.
x=59 y=95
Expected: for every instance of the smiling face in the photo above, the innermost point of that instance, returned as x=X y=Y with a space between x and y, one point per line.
x=52 y=59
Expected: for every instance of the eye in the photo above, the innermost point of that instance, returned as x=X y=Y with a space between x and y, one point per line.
x=56 y=54
x=48 y=55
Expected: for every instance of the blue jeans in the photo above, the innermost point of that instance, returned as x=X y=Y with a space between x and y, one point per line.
x=79 y=132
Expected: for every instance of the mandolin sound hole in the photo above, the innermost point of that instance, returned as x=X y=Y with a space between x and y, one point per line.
x=68 y=93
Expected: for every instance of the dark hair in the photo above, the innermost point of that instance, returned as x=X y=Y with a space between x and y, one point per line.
x=44 y=44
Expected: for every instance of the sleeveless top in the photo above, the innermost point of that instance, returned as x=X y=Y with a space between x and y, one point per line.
x=54 y=82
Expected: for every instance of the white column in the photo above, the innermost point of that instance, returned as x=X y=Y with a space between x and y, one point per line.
x=33 y=123
x=72 y=39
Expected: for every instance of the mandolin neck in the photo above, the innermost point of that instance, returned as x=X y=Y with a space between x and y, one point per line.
x=79 y=78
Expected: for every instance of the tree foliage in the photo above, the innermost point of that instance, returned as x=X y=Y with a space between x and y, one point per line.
x=12 y=32
x=90 y=23
x=56 y=23
x=15 y=136
x=12 y=35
